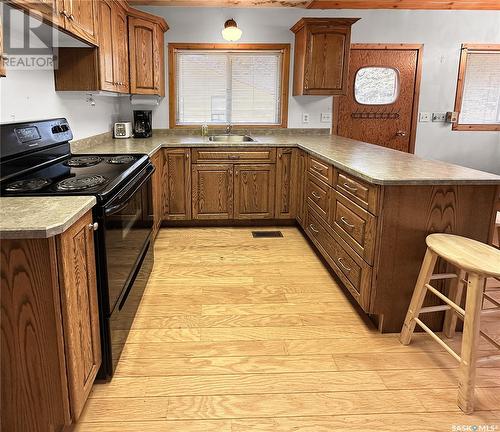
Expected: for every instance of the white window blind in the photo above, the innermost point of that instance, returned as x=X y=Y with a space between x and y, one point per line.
x=238 y=87
x=481 y=94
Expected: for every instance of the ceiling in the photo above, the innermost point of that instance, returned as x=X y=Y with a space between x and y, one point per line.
x=332 y=4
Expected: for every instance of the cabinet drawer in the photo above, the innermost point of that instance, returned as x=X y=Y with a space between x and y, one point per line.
x=362 y=193
x=350 y=268
x=354 y=224
x=320 y=169
x=257 y=155
x=318 y=195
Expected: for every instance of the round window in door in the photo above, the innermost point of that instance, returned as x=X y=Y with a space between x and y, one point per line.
x=376 y=85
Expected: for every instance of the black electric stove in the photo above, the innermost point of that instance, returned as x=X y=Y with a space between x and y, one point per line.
x=35 y=160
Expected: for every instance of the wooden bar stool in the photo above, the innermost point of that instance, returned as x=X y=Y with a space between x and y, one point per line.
x=478 y=261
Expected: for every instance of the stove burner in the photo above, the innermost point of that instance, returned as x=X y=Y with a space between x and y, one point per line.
x=83 y=161
x=27 y=185
x=118 y=160
x=80 y=183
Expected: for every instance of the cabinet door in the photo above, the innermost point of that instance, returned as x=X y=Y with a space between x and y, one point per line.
x=285 y=183
x=158 y=203
x=47 y=10
x=254 y=191
x=144 y=56
x=106 y=64
x=327 y=60
x=301 y=186
x=212 y=191
x=80 y=18
x=79 y=310
x=178 y=184
x=120 y=50
x=2 y=64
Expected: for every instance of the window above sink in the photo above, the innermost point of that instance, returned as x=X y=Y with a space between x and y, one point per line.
x=244 y=85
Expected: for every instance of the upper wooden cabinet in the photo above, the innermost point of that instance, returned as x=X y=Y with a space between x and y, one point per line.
x=46 y=10
x=147 y=69
x=79 y=17
x=321 y=59
x=2 y=64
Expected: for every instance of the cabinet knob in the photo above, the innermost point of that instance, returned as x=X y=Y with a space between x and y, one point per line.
x=64 y=13
x=401 y=133
x=71 y=17
x=93 y=226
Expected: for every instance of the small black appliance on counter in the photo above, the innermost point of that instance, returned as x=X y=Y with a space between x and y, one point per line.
x=143 y=125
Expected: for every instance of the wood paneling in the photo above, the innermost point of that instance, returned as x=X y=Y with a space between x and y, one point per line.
x=80 y=313
x=321 y=56
x=254 y=191
x=177 y=186
x=32 y=352
x=286 y=178
x=212 y=191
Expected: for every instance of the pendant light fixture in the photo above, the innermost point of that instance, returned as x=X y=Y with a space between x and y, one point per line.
x=231 y=32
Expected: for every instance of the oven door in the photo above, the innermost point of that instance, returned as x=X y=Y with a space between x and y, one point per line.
x=128 y=225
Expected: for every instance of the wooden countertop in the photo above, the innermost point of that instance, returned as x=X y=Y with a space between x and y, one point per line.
x=372 y=163
x=40 y=217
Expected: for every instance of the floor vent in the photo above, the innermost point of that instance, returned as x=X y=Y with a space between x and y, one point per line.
x=266 y=234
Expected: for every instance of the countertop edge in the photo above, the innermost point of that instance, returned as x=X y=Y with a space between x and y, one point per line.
x=50 y=230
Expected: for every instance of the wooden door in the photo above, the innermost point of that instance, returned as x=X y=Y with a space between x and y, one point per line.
x=177 y=187
x=285 y=183
x=212 y=191
x=120 y=50
x=301 y=186
x=382 y=98
x=80 y=312
x=143 y=45
x=81 y=18
x=326 y=67
x=106 y=49
x=254 y=191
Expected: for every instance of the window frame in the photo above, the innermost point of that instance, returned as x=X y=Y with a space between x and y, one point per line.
x=465 y=50
x=173 y=48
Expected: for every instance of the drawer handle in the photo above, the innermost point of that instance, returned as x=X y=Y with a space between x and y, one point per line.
x=350 y=188
x=316 y=168
x=345 y=222
x=233 y=156
x=315 y=195
x=341 y=262
x=313 y=229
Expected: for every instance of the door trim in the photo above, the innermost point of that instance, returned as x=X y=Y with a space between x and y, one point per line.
x=416 y=94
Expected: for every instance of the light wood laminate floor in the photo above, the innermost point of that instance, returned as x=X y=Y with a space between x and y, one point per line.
x=241 y=334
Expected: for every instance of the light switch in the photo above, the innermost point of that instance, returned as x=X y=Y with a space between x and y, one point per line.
x=305 y=117
x=424 y=117
x=326 y=117
x=438 y=117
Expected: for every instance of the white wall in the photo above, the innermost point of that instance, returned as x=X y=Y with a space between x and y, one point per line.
x=441 y=32
x=30 y=95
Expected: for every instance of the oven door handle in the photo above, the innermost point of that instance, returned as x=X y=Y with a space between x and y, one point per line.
x=128 y=193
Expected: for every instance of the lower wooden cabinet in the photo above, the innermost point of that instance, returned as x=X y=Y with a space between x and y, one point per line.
x=177 y=184
x=158 y=202
x=286 y=179
x=50 y=345
x=254 y=191
x=301 y=186
x=212 y=191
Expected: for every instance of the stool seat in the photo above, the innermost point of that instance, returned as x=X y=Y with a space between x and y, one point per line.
x=465 y=253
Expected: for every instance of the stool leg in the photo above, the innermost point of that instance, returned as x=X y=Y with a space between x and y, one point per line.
x=418 y=297
x=470 y=339
x=455 y=295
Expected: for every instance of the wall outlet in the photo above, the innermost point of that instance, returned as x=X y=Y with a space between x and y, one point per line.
x=305 y=117
x=326 y=117
x=438 y=117
x=424 y=117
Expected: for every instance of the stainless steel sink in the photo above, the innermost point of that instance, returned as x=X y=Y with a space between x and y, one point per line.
x=231 y=138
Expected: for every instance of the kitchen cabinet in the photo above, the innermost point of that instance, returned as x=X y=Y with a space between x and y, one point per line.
x=146 y=45
x=254 y=191
x=50 y=346
x=46 y=10
x=157 y=186
x=177 y=185
x=301 y=186
x=321 y=55
x=79 y=17
x=285 y=183
x=212 y=191
x=3 y=71
x=80 y=314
